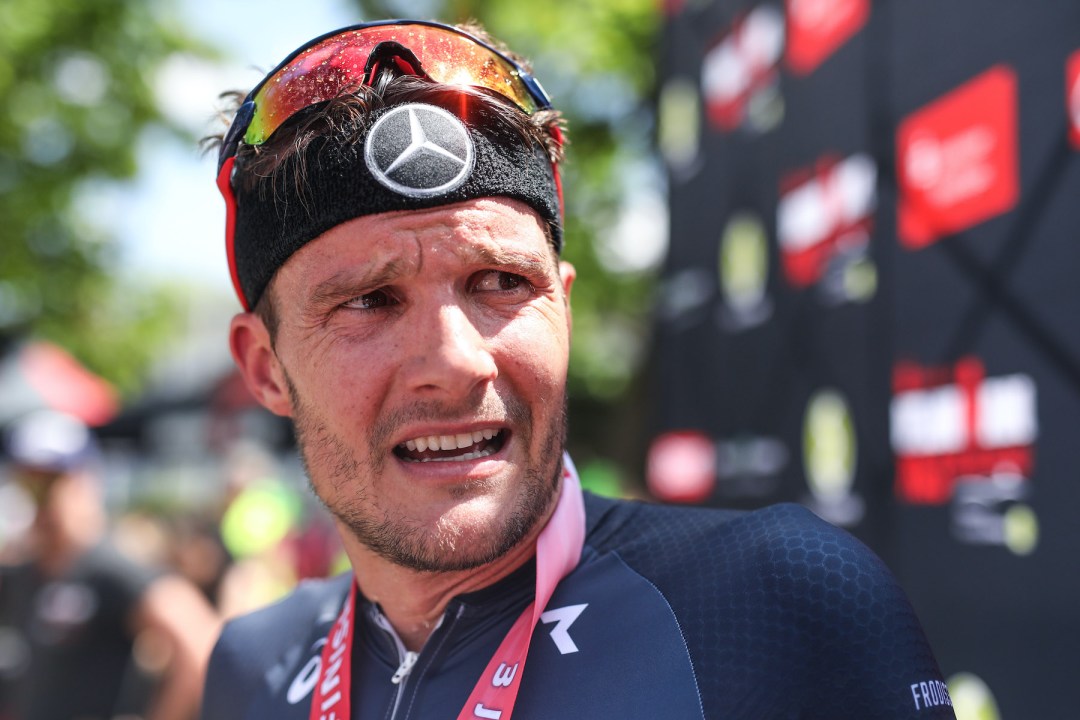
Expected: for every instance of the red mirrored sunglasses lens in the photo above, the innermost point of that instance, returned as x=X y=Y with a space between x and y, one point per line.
x=336 y=64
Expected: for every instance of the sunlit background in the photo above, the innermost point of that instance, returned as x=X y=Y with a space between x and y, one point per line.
x=742 y=342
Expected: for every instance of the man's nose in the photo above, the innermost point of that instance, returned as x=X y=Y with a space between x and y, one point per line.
x=449 y=353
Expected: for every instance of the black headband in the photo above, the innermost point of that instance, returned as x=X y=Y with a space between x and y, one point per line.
x=408 y=157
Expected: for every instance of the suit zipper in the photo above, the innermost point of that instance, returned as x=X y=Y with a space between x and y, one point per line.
x=406 y=658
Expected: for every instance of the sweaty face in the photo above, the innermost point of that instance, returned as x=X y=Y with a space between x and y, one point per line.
x=425 y=357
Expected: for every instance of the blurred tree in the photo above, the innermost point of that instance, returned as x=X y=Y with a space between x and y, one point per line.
x=76 y=87
x=597 y=59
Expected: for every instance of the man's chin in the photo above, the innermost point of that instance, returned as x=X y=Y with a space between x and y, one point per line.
x=457 y=535
x=443 y=550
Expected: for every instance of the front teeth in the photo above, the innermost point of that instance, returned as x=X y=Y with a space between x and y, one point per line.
x=457 y=458
x=451 y=442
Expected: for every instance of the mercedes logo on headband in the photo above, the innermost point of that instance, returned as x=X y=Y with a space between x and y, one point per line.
x=419 y=151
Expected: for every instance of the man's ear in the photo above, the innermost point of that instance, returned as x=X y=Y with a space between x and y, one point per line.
x=567 y=273
x=254 y=355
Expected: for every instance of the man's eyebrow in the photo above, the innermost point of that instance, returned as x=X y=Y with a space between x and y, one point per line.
x=527 y=261
x=350 y=281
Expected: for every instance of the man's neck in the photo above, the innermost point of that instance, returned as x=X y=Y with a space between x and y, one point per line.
x=414 y=601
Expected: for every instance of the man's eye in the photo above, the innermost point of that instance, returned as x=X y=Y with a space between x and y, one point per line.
x=499 y=281
x=371 y=301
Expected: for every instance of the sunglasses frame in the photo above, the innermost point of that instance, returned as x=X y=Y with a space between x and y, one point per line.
x=244 y=115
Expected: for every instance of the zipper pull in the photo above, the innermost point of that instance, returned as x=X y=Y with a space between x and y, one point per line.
x=405 y=667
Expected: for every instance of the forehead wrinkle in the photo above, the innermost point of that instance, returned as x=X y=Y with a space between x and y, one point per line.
x=499 y=256
x=349 y=280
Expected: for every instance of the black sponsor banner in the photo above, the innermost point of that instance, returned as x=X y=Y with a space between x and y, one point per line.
x=772 y=268
x=986 y=357
x=984 y=516
x=870 y=305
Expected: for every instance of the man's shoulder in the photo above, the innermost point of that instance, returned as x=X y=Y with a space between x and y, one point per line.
x=311 y=602
x=781 y=554
x=775 y=598
x=116 y=576
x=255 y=649
x=639 y=528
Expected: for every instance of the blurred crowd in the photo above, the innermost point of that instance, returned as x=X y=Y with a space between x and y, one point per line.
x=112 y=611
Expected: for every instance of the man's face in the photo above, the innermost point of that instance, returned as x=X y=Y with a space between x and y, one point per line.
x=424 y=357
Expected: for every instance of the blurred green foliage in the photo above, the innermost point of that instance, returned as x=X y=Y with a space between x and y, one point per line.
x=76 y=88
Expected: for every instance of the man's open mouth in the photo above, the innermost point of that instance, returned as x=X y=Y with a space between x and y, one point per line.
x=447 y=448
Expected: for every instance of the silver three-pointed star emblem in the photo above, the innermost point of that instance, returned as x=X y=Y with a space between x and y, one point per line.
x=419 y=151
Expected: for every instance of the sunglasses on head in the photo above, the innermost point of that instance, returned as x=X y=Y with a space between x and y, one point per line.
x=349 y=58
x=344 y=60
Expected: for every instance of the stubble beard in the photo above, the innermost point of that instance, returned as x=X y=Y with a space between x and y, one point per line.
x=400 y=539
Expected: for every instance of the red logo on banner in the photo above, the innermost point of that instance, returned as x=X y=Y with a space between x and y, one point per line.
x=816 y=28
x=1072 y=97
x=681 y=467
x=823 y=213
x=957 y=159
x=741 y=65
x=948 y=424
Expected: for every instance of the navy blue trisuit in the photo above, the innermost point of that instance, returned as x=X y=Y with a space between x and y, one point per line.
x=672 y=613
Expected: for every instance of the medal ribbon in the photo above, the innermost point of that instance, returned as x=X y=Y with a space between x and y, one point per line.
x=558 y=551
x=331 y=698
